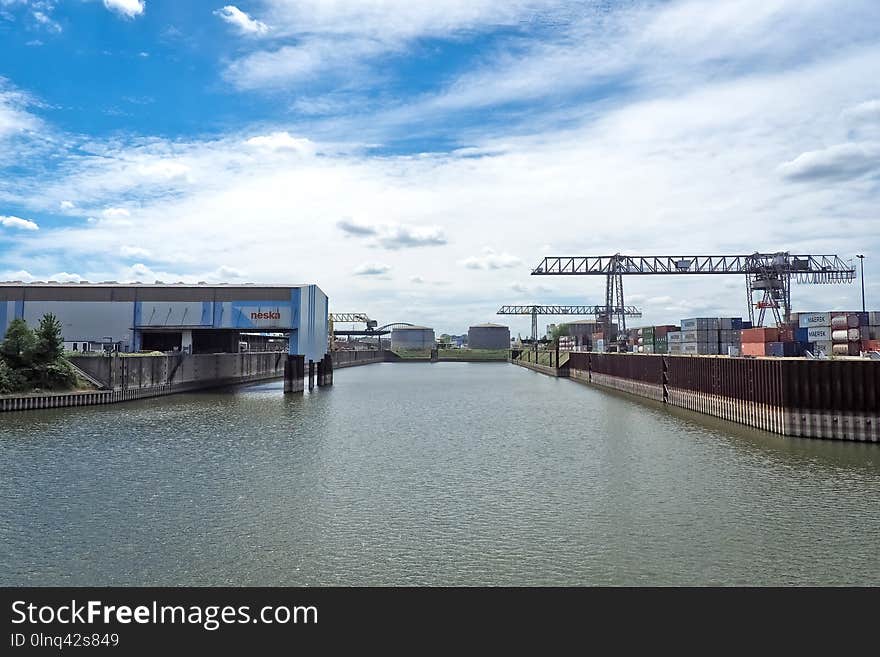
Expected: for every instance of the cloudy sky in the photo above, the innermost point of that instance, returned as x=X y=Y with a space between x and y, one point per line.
x=418 y=159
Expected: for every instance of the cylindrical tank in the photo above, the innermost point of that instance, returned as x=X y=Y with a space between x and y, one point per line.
x=488 y=336
x=839 y=322
x=412 y=338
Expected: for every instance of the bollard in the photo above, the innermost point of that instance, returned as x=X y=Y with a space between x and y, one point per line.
x=311 y=375
x=294 y=368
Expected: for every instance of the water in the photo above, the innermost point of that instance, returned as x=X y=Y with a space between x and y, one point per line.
x=448 y=473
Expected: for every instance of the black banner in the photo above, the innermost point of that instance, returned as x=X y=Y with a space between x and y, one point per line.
x=251 y=620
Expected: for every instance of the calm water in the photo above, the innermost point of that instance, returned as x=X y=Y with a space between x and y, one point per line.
x=426 y=474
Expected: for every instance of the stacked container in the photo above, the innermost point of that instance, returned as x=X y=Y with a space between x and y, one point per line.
x=846 y=334
x=699 y=335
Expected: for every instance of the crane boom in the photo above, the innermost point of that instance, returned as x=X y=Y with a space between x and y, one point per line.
x=767 y=273
x=536 y=309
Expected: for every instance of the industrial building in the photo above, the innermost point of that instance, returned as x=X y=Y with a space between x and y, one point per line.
x=186 y=318
x=488 y=336
x=412 y=338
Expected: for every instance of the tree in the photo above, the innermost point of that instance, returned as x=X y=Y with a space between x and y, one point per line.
x=17 y=348
x=558 y=331
x=49 y=341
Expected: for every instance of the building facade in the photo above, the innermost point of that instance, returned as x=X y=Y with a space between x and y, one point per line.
x=187 y=318
x=489 y=336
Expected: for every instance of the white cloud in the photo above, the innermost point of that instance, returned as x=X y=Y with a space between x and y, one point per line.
x=283 y=141
x=490 y=259
x=18 y=223
x=111 y=213
x=126 y=8
x=394 y=236
x=835 y=163
x=127 y=251
x=47 y=22
x=372 y=269
x=66 y=205
x=247 y=25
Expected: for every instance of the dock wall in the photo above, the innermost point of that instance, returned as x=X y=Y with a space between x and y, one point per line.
x=793 y=397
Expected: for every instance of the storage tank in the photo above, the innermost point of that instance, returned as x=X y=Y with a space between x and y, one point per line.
x=412 y=338
x=489 y=336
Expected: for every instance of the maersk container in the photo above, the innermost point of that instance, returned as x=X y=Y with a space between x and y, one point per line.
x=809 y=320
x=819 y=334
x=823 y=347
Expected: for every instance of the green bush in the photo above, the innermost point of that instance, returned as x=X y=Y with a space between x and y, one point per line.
x=30 y=359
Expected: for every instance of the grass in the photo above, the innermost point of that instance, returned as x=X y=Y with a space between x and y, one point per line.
x=474 y=354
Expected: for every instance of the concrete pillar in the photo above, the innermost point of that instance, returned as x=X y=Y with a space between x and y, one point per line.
x=320 y=365
x=294 y=369
x=311 y=375
x=328 y=370
x=186 y=342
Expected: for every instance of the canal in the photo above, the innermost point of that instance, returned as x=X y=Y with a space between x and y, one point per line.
x=427 y=474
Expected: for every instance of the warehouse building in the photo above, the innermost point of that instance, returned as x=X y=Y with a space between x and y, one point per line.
x=187 y=318
x=412 y=338
x=489 y=336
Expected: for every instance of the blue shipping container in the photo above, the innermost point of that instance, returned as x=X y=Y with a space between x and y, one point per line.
x=801 y=335
x=780 y=349
x=737 y=323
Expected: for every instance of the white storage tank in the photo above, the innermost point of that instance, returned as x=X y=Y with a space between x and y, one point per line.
x=412 y=338
x=488 y=336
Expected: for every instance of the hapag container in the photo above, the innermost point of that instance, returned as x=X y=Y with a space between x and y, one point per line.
x=819 y=334
x=760 y=335
x=807 y=320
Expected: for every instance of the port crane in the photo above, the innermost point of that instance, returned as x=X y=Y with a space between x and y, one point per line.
x=347 y=318
x=767 y=274
x=535 y=309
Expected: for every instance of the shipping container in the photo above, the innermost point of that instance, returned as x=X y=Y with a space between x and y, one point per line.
x=700 y=348
x=839 y=322
x=807 y=320
x=760 y=335
x=700 y=324
x=802 y=334
x=674 y=347
x=821 y=347
x=819 y=334
x=674 y=337
x=786 y=349
x=699 y=336
x=846 y=349
x=871 y=345
x=874 y=318
x=754 y=349
x=733 y=335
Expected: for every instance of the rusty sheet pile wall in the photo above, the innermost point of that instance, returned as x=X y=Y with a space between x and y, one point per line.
x=793 y=397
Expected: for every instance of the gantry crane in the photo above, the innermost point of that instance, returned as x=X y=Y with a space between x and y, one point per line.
x=769 y=274
x=535 y=309
x=352 y=318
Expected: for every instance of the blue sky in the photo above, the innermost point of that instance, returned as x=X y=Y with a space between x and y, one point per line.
x=416 y=159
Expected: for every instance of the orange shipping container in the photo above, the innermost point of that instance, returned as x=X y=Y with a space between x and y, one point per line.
x=785 y=335
x=871 y=345
x=759 y=336
x=754 y=348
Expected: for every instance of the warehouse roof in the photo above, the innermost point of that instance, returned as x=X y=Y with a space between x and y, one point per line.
x=201 y=284
x=489 y=325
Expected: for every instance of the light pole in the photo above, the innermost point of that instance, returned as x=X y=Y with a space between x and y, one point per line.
x=862 y=262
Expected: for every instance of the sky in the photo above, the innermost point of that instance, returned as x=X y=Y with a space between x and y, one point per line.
x=418 y=159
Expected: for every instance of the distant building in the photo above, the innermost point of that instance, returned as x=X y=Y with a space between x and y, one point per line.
x=412 y=338
x=489 y=336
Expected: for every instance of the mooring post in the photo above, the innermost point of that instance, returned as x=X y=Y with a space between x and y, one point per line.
x=320 y=380
x=311 y=375
x=328 y=369
x=293 y=373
